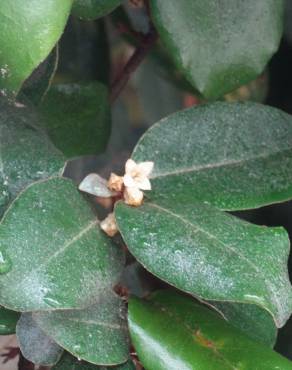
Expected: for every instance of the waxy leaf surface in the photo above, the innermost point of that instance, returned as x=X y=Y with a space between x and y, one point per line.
x=58 y=258
x=250 y=319
x=26 y=153
x=69 y=362
x=77 y=118
x=28 y=32
x=210 y=254
x=219 y=46
x=97 y=334
x=8 y=321
x=232 y=155
x=172 y=332
x=93 y=9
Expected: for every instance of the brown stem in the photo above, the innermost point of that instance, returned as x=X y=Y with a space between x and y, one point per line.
x=24 y=364
x=133 y=63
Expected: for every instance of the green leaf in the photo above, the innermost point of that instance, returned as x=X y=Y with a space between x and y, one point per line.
x=171 y=332
x=93 y=9
x=69 y=362
x=97 y=334
x=54 y=251
x=77 y=118
x=219 y=46
x=210 y=254
x=232 y=155
x=38 y=84
x=26 y=154
x=28 y=33
x=34 y=344
x=8 y=321
x=251 y=319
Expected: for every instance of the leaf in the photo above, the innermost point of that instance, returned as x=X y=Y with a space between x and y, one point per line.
x=34 y=344
x=219 y=46
x=93 y=9
x=96 y=185
x=38 y=84
x=172 y=332
x=8 y=321
x=69 y=362
x=57 y=256
x=210 y=254
x=97 y=334
x=250 y=319
x=29 y=31
x=77 y=118
x=26 y=154
x=232 y=155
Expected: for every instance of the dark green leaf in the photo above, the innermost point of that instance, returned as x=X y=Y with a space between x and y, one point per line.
x=97 y=334
x=232 y=155
x=54 y=251
x=38 y=84
x=210 y=254
x=172 y=332
x=77 y=118
x=69 y=362
x=34 y=344
x=93 y=9
x=84 y=52
x=26 y=154
x=251 y=319
x=28 y=32
x=8 y=321
x=219 y=46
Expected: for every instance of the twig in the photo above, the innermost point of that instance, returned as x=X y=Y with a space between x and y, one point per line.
x=133 y=63
x=146 y=44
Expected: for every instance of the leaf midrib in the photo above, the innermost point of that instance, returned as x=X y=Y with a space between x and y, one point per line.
x=61 y=250
x=226 y=246
x=206 y=166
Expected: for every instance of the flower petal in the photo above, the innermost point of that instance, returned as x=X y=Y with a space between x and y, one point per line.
x=143 y=183
x=133 y=196
x=145 y=168
x=129 y=181
x=130 y=166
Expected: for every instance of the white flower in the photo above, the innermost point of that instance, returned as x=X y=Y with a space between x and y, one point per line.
x=109 y=225
x=133 y=196
x=136 y=174
x=115 y=182
x=135 y=180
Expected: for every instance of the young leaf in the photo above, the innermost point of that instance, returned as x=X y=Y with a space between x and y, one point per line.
x=171 y=332
x=34 y=344
x=28 y=32
x=232 y=155
x=217 y=47
x=77 y=118
x=68 y=362
x=54 y=253
x=97 y=334
x=8 y=321
x=210 y=254
x=93 y=9
x=26 y=154
x=251 y=319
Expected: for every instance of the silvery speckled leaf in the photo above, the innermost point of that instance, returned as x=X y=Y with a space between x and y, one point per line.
x=210 y=254
x=34 y=344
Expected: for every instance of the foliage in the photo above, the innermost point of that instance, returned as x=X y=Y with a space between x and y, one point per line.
x=64 y=283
